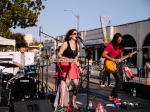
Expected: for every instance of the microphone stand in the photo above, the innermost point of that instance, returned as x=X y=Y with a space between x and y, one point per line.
x=88 y=55
x=51 y=37
x=56 y=53
x=47 y=78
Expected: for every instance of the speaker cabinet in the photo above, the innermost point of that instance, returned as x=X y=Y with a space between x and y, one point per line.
x=31 y=106
x=142 y=90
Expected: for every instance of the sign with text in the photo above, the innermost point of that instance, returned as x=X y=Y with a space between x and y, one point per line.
x=93 y=42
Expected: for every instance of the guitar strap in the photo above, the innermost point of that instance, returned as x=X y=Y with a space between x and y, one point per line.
x=119 y=52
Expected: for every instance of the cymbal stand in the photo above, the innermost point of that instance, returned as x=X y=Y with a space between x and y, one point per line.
x=38 y=82
x=42 y=67
x=47 y=79
x=52 y=38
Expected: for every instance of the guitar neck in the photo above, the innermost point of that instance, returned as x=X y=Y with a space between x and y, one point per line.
x=128 y=55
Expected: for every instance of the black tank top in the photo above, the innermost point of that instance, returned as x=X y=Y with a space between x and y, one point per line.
x=69 y=52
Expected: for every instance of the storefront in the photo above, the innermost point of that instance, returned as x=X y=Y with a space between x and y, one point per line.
x=146 y=49
x=94 y=46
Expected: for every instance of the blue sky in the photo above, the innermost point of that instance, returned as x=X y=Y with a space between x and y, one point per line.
x=55 y=21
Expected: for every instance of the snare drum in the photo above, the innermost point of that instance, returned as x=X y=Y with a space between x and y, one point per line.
x=23 y=88
x=30 y=70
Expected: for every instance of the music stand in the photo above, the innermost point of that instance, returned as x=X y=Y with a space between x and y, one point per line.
x=88 y=55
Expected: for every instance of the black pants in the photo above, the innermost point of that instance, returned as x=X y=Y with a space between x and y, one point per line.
x=119 y=80
x=106 y=77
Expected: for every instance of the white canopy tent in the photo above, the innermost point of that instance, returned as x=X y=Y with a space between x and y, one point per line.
x=4 y=41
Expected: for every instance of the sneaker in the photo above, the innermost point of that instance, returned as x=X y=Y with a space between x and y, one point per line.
x=102 y=85
x=113 y=98
x=117 y=100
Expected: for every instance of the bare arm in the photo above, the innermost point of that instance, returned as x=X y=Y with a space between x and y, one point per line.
x=16 y=63
x=105 y=55
x=62 y=48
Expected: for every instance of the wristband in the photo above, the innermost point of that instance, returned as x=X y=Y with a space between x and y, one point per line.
x=113 y=59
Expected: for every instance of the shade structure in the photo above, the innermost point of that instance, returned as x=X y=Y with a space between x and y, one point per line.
x=4 y=41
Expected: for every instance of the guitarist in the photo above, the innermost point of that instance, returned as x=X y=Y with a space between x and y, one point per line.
x=112 y=50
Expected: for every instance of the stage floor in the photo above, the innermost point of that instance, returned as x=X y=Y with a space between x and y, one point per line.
x=100 y=95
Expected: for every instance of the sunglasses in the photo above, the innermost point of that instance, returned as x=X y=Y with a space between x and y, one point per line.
x=75 y=34
x=120 y=40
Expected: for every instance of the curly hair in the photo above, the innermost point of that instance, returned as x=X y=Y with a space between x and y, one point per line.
x=67 y=38
x=115 y=42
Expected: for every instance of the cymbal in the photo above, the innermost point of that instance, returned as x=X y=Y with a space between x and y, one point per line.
x=8 y=65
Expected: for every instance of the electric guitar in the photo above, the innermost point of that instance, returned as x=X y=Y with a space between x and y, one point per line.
x=114 y=67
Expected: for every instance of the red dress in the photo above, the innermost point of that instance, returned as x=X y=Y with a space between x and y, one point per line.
x=63 y=68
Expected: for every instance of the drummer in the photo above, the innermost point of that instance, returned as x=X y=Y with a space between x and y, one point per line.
x=19 y=59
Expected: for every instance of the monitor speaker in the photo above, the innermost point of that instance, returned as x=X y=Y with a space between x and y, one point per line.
x=31 y=106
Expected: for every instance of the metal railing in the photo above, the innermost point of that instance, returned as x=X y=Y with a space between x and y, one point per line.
x=139 y=71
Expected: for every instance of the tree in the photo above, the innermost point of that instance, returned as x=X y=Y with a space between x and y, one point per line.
x=35 y=42
x=19 y=39
x=20 y=13
x=4 y=30
x=46 y=41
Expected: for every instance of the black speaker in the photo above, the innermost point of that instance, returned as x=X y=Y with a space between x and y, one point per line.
x=142 y=90
x=31 y=106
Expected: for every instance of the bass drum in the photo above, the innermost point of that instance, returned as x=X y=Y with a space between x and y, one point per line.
x=23 y=88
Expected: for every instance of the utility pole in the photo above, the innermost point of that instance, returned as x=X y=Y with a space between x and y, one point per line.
x=40 y=33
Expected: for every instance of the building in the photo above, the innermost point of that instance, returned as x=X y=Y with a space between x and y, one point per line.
x=28 y=38
x=135 y=35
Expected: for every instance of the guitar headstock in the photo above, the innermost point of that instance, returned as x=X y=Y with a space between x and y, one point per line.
x=139 y=50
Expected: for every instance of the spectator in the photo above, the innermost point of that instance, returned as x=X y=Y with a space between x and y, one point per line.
x=90 y=64
x=147 y=71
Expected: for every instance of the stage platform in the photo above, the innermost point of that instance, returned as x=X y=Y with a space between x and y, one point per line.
x=100 y=95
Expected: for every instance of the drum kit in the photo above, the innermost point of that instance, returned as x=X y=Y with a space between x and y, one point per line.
x=15 y=88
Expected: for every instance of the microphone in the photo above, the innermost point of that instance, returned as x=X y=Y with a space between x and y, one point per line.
x=80 y=38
